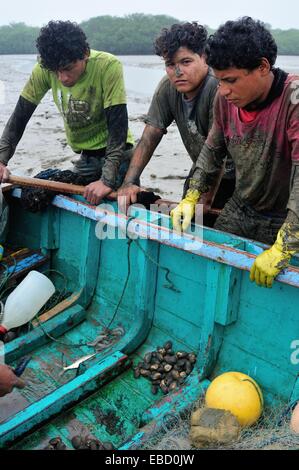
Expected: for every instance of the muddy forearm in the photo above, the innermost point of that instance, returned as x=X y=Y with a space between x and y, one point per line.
x=149 y=141
x=290 y=231
x=209 y=170
x=208 y=198
x=291 y=224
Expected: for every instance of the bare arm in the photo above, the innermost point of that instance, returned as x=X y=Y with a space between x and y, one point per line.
x=127 y=193
x=150 y=139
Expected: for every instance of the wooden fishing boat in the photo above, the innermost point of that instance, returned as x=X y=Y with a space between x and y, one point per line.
x=156 y=287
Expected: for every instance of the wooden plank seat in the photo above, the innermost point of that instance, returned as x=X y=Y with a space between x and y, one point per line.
x=17 y=262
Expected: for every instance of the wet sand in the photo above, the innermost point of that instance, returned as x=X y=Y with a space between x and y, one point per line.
x=44 y=145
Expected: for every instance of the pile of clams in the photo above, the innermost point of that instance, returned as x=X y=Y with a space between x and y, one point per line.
x=80 y=443
x=90 y=443
x=55 y=444
x=165 y=368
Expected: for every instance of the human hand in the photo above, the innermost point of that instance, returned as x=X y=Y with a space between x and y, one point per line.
x=267 y=266
x=4 y=173
x=185 y=210
x=8 y=380
x=127 y=195
x=96 y=191
x=269 y=263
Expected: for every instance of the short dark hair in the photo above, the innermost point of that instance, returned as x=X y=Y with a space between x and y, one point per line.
x=190 y=35
x=59 y=43
x=241 y=44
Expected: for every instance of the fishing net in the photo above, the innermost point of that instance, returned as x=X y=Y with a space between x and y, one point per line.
x=37 y=199
x=272 y=432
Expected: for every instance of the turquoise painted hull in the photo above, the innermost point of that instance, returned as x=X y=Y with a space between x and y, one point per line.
x=158 y=288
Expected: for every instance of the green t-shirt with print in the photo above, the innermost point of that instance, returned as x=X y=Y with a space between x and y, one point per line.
x=82 y=105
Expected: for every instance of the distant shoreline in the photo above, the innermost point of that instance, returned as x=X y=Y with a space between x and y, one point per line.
x=122 y=54
x=130 y=35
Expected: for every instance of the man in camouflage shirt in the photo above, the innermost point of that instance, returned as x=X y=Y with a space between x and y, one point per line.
x=185 y=95
x=256 y=120
x=88 y=89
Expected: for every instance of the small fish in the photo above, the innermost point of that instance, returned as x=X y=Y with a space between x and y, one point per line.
x=76 y=364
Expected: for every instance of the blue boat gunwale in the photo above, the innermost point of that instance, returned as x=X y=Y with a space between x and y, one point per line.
x=220 y=252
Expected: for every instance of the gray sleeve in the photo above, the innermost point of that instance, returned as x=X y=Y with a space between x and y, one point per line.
x=117 y=123
x=293 y=202
x=290 y=227
x=229 y=170
x=211 y=158
x=211 y=106
x=14 y=128
x=290 y=230
x=159 y=114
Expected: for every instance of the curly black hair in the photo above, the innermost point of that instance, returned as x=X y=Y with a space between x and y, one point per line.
x=190 y=35
x=241 y=44
x=61 y=43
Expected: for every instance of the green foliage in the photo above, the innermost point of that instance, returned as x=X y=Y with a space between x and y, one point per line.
x=132 y=34
x=17 y=38
x=287 y=41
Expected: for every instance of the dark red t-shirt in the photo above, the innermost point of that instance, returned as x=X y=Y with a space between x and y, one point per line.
x=247 y=116
x=263 y=147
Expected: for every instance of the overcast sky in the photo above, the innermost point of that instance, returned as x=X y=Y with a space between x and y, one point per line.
x=280 y=14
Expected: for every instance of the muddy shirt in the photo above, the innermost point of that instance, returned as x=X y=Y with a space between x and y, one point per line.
x=82 y=106
x=263 y=151
x=168 y=105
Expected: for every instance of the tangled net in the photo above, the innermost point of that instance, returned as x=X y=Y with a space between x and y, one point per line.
x=37 y=199
x=271 y=432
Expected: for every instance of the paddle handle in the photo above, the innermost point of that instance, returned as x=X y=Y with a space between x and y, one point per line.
x=67 y=188
x=46 y=184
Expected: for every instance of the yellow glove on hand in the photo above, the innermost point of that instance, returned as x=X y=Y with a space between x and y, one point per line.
x=269 y=264
x=185 y=210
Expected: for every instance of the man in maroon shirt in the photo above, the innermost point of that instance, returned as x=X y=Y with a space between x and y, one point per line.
x=256 y=121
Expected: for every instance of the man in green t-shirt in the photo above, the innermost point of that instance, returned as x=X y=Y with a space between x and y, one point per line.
x=88 y=89
x=185 y=95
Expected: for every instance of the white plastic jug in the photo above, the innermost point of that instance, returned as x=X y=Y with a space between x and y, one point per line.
x=26 y=300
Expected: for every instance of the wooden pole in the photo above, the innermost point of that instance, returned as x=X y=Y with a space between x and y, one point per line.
x=66 y=188
x=46 y=184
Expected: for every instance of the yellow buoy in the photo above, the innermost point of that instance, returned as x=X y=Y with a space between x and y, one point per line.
x=237 y=393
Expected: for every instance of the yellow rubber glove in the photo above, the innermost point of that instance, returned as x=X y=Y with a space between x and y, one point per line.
x=185 y=210
x=269 y=264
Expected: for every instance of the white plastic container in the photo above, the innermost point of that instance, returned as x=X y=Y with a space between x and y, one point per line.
x=26 y=300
